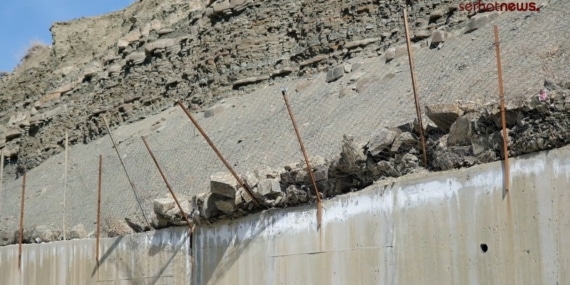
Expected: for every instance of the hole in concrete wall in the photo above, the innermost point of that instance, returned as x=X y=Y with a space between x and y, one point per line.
x=484 y=247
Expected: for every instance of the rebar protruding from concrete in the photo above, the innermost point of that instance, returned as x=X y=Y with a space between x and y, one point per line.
x=167 y=185
x=309 y=168
x=415 y=87
x=98 y=234
x=220 y=156
x=21 y=234
x=126 y=172
x=503 y=115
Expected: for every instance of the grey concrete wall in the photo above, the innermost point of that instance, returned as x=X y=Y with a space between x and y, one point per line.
x=161 y=257
x=417 y=230
x=424 y=230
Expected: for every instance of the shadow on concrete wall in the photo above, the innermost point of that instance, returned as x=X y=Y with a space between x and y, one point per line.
x=162 y=247
x=159 y=244
x=213 y=262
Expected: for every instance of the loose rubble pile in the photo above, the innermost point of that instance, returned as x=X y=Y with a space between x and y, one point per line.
x=457 y=134
x=133 y=64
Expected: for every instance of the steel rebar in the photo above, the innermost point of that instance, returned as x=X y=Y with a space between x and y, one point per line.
x=167 y=184
x=306 y=156
x=64 y=185
x=218 y=153
x=502 y=103
x=21 y=233
x=99 y=208
x=415 y=87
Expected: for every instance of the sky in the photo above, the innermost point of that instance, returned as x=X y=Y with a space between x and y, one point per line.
x=25 y=21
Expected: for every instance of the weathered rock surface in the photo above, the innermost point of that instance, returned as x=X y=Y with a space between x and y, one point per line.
x=192 y=46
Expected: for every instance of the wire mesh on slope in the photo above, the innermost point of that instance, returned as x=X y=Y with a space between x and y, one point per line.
x=254 y=131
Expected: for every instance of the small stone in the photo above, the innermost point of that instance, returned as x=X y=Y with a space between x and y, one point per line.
x=335 y=73
x=225 y=205
x=438 y=37
x=420 y=35
x=477 y=22
x=387 y=168
x=250 y=179
x=163 y=205
x=347 y=67
x=269 y=187
x=390 y=54
x=550 y=85
x=214 y=111
x=221 y=6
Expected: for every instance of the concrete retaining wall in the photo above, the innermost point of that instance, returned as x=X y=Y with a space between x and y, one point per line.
x=423 y=230
x=427 y=230
x=161 y=257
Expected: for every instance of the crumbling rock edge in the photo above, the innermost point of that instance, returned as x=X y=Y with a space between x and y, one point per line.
x=466 y=135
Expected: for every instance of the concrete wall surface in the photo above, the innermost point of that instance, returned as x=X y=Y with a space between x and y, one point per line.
x=415 y=230
x=159 y=258
x=424 y=230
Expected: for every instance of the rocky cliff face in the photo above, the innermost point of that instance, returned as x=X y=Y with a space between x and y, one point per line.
x=136 y=62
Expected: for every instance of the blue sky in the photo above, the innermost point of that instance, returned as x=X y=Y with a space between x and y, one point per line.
x=24 y=21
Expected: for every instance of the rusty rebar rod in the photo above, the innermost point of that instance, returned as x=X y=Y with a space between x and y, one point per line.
x=65 y=185
x=98 y=235
x=306 y=156
x=503 y=115
x=415 y=87
x=167 y=184
x=220 y=156
x=21 y=232
x=126 y=173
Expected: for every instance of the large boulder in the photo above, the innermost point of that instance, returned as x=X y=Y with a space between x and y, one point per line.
x=351 y=156
x=223 y=184
x=404 y=142
x=381 y=141
x=205 y=204
x=444 y=115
